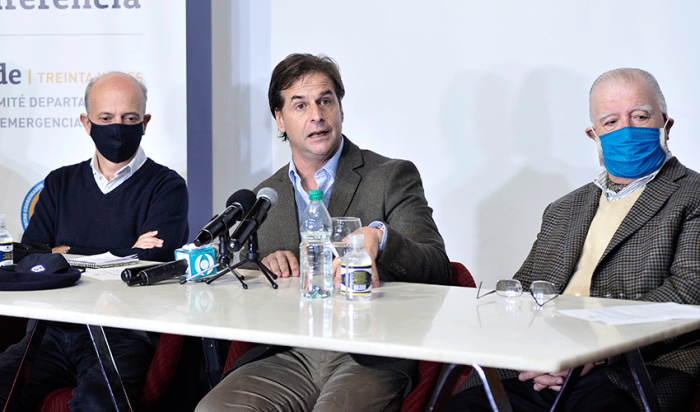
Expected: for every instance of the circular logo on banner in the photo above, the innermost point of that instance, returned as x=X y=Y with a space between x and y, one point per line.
x=29 y=203
x=203 y=262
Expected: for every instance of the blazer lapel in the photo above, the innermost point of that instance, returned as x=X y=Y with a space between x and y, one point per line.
x=654 y=197
x=347 y=179
x=285 y=213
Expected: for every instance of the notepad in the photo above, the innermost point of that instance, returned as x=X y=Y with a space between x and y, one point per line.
x=105 y=260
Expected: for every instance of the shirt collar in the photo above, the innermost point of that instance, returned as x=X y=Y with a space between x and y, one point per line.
x=612 y=196
x=129 y=169
x=331 y=167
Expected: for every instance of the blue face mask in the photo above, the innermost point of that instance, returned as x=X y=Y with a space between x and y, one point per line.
x=633 y=152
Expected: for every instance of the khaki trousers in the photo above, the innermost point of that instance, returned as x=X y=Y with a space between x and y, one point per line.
x=302 y=380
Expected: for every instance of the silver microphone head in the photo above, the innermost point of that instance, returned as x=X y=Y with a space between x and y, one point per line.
x=268 y=193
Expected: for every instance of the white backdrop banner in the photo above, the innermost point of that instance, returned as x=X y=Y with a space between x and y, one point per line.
x=49 y=50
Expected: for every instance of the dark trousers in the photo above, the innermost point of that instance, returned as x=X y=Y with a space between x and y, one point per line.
x=593 y=392
x=67 y=358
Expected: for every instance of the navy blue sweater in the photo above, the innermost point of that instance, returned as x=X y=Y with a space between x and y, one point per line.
x=73 y=211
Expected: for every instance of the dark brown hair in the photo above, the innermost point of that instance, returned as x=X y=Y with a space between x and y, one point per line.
x=295 y=66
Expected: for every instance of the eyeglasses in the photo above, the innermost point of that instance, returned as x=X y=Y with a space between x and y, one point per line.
x=541 y=291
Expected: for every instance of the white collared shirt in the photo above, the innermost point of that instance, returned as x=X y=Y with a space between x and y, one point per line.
x=612 y=196
x=324 y=177
x=122 y=174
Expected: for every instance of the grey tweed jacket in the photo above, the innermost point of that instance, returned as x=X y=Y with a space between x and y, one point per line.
x=371 y=187
x=653 y=256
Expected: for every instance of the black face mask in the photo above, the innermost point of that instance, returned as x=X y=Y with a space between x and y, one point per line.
x=117 y=142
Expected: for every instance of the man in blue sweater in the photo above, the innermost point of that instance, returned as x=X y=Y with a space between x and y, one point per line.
x=118 y=201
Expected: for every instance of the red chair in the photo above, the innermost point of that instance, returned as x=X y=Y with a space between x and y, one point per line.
x=428 y=372
x=695 y=404
x=235 y=351
x=461 y=276
x=417 y=400
x=160 y=374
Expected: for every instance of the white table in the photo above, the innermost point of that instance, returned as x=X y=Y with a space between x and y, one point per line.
x=415 y=321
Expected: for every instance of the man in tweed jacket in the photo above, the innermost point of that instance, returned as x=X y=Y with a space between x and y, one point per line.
x=634 y=233
x=305 y=99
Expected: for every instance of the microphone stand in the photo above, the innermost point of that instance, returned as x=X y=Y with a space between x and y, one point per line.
x=252 y=256
x=225 y=261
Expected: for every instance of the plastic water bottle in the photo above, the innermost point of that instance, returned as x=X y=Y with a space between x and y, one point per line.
x=5 y=244
x=356 y=269
x=315 y=253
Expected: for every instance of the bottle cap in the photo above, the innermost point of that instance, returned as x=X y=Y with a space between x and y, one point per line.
x=357 y=241
x=315 y=194
x=2 y=220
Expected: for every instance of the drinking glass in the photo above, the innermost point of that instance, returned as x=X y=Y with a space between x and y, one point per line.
x=341 y=228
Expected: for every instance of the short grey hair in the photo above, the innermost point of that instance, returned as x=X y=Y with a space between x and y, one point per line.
x=629 y=75
x=88 y=89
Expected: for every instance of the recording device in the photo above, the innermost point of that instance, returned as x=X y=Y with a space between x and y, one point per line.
x=267 y=197
x=236 y=207
x=158 y=273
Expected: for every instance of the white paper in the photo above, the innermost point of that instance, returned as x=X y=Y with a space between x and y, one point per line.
x=106 y=259
x=629 y=314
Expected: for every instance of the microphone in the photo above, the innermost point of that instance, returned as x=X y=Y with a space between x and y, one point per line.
x=132 y=272
x=158 y=273
x=267 y=197
x=236 y=207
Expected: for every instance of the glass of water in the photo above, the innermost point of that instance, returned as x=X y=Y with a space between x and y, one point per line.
x=341 y=228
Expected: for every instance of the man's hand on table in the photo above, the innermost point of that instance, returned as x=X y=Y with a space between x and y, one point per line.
x=148 y=241
x=552 y=381
x=282 y=263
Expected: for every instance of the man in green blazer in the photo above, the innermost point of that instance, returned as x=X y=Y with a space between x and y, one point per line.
x=633 y=233
x=401 y=237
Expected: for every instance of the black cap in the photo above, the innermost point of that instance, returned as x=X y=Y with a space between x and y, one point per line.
x=38 y=271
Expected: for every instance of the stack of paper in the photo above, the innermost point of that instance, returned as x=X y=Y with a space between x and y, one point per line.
x=104 y=260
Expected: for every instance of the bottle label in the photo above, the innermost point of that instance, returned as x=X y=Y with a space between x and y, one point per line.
x=358 y=277
x=5 y=253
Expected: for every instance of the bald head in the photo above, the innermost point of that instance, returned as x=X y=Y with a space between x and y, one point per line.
x=114 y=98
x=119 y=81
x=626 y=76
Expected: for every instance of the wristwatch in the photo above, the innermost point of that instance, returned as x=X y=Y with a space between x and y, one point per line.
x=377 y=224
x=381 y=226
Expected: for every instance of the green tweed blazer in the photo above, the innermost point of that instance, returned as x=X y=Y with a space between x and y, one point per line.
x=371 y=187
x=654 y=255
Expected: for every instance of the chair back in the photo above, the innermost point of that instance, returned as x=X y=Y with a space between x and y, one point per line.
x=159 y=376
x=461 y=276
